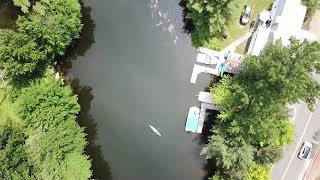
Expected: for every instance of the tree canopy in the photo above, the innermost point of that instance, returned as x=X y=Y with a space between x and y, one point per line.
x=23 y=4
x=209 y=18
x=254 y=105
x=14 y=160
x=54 y=25
x=48 y=143
x=47 y=103
x=44 y=32
x=48 y=110
x=19 y=55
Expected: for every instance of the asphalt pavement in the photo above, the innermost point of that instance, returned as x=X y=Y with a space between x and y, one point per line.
x=306 y=124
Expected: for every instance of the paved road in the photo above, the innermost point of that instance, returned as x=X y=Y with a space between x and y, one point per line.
x=306 y=124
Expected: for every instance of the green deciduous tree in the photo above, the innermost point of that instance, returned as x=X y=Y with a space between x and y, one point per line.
x=14 y=161
x=19 y=55
x=48 y=110
x=254 y=104
x=54 y=25
x=231 y=156
x=282 y=74
x=58 y=152
x=23 y=4
x=244 y=119
x=209 y=18
x=268 y=154
x=47 y=103
x=259 y=172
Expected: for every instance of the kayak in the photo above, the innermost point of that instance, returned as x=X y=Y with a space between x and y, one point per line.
x=155 y=130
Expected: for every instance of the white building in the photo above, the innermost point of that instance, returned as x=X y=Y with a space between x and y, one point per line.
x=285 y=21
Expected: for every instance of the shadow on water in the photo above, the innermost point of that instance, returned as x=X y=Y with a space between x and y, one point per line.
x=81 y=45
x=209 y=166
x=188 y=25
x=100 y=167
x=8 y=14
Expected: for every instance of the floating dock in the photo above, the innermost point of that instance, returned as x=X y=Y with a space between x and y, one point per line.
x=197 y=69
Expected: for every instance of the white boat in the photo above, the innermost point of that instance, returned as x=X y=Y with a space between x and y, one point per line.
x=207 y=59
x=155 y=130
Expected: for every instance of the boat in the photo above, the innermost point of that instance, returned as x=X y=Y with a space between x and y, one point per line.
x=192 y=119
x=154 y=130
x=207 y=59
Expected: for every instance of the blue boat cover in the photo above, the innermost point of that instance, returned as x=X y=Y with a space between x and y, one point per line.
x=192 y=122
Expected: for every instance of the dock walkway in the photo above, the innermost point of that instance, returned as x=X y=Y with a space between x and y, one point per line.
x=197 y=69
x=207 y=103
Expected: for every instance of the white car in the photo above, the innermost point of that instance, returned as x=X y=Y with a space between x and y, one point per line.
x=246 y=15
x=305 y=150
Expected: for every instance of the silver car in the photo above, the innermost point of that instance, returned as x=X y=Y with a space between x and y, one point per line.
x=305 y=150
x=246 y=15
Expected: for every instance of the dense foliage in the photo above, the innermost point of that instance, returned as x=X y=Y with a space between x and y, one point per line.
x=47 y=142
x=254 y=108
x=259 y=172
x=46 y=104
x=44 y=32
x=14 y=160
x=19 y=55
x=53 y=26
x=312 y=6
x=53 y=147
x=209 y=18
x=23 y=4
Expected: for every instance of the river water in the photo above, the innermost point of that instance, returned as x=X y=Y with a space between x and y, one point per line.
x=132 y=68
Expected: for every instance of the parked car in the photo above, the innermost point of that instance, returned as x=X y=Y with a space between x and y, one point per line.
x=305 y=150
x=245 y=17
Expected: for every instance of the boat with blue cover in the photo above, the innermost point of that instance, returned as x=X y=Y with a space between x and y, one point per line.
x=192 y=119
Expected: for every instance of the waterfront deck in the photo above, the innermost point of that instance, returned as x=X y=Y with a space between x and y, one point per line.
x=197 y=69
x=207 y=103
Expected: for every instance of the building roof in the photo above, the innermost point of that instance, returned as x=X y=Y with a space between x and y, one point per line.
x=287 y=18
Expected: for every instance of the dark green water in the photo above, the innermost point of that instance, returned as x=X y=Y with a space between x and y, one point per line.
x=8 y=14
x=132 y=68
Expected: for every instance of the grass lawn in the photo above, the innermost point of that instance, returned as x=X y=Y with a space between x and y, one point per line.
x=235 y=30
x=7 y=110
